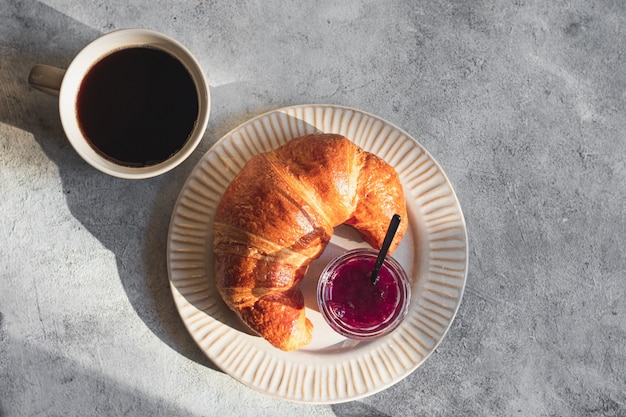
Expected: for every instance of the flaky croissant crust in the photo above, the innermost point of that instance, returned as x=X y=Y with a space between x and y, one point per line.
x=278 y=215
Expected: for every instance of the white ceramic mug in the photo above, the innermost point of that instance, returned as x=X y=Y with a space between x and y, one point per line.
x=67 y=83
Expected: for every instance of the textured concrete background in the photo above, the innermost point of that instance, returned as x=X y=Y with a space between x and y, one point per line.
x=521 y=102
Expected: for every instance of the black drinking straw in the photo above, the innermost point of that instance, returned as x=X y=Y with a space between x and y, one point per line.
x=391 y=232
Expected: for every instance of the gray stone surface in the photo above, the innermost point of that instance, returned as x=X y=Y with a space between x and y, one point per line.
x=521 y=102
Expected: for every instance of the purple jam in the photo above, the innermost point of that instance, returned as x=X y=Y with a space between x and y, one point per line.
x=354 y=306
x=356 y=301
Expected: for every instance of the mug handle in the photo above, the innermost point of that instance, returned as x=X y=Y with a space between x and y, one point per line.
x=46 y=78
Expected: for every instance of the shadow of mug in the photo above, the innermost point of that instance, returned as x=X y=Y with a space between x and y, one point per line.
x=129 y=218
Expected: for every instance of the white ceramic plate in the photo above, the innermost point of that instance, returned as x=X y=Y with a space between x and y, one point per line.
x=331 y=369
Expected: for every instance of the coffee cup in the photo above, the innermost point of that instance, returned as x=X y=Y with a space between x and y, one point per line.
x=134 y=103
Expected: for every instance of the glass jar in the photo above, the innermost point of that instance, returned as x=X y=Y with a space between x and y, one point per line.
x=355 y=307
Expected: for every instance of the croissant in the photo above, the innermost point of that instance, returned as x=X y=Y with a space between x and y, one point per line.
x=278 y=215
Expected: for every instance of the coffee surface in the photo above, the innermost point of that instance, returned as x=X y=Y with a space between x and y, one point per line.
x=137 y=106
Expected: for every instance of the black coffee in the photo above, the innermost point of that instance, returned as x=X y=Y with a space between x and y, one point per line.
x=137 y=106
